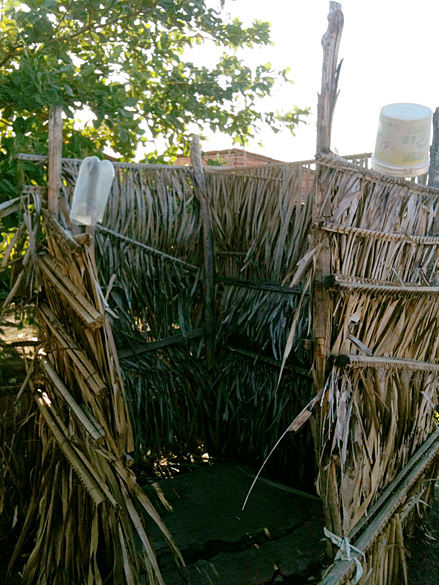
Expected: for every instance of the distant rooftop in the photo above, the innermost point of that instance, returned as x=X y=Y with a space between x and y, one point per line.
x=232 y=157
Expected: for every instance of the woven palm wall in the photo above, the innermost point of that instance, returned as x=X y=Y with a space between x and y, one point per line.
x=260 y=222
x=377 y=262
x=150 y=257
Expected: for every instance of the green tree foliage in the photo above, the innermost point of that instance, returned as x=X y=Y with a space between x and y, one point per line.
x=126 y=61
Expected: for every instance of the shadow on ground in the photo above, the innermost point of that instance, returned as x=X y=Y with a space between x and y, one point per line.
x=277 y=538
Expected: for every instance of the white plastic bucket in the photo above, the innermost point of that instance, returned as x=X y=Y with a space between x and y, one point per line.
x=403 y=140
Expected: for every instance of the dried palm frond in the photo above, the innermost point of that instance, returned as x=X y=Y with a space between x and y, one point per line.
x=91 y=516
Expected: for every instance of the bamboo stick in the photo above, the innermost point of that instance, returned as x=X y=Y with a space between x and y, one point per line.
x=375 y=234
x=391 y=574
x=330 y=73
x=399 y=539
x=322 y=301
x=55 y=154
x=25 y=383
x=149 y=249
x=363 y=361
x=161 y=343
x=292 y=290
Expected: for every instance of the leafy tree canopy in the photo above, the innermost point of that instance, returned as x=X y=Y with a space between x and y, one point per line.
x=125 y=60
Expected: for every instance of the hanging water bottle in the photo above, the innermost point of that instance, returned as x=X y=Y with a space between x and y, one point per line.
x=91 y=191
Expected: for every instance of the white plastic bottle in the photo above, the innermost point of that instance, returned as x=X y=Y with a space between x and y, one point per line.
x=91 y=191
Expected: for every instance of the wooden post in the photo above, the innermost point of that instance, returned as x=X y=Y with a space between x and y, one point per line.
x=322 y=304
x=55 y=155
x=433 y=173
x=330 y=74
x=209 y=261
x=325 y=112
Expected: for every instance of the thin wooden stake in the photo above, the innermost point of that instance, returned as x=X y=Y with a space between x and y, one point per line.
x=209 y=260
x=55 y=154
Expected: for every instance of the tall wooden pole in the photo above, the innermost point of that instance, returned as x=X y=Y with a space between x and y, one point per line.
x=322 y=305
x=330 y=74
x=325 y=112
x=209 y=261
x=55 y=155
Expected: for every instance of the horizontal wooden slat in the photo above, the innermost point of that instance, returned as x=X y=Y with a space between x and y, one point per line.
x=268 y=360
x=230 y=253
x=34 y=189
x=391 y=288
x=154 y=345
x=263 y=286
x=9 y=207
x=384 y=236
x=362 y=361
x=338 y=163
x=42 y=159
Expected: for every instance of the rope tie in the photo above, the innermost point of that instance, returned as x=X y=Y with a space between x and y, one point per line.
x=344 y=551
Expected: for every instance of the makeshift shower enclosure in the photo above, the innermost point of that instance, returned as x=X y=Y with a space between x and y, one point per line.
x=365 y=260
x=213 y=311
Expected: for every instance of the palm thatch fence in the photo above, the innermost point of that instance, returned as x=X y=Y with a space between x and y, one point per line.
x=377 y=442
x=289 y=244
x=86 y=517
x=151 y=263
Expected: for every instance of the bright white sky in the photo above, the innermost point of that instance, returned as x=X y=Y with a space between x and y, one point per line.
x=390 y=50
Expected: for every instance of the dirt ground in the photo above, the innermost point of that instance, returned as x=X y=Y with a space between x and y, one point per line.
x=15 y=339
x=277 y=538
x=423 y=562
